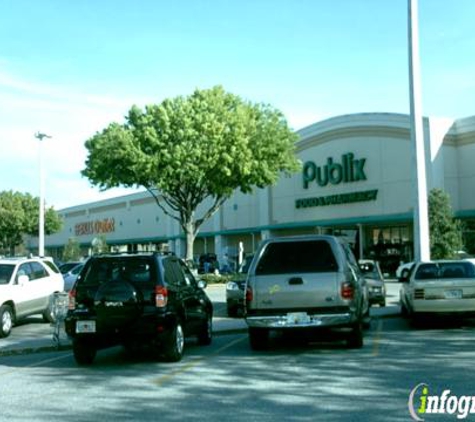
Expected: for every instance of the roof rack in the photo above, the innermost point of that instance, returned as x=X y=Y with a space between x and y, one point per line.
x=134 y=253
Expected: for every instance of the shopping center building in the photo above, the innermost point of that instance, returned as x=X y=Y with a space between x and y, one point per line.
x=357 y=181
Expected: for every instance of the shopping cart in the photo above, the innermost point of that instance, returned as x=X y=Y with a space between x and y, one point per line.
x=60 y=309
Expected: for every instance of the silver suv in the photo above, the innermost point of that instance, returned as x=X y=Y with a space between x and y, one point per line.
x=305 y=282
x=27 y=286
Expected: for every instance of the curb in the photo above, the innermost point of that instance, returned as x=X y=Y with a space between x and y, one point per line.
x=60 y=348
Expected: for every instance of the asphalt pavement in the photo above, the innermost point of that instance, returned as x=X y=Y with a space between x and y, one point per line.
x=33 y=335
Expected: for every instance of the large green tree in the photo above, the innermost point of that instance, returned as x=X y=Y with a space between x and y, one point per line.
x=190 y=149
x=445 y=230
x=19 y=216
x=72 y=250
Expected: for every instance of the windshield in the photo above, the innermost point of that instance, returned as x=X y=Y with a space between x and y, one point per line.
x=6 y=271
x=446 y=270
x=369 y=269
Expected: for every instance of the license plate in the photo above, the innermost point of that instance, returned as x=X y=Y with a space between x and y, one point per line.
x=298 y=318
x=453 y=294
x=85 y=327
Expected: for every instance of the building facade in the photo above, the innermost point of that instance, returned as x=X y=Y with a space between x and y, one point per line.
x=356 y=181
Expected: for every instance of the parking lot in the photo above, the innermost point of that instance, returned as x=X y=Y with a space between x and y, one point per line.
x=296 y=380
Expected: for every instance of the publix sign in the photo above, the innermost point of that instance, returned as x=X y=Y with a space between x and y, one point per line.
x=347 y=170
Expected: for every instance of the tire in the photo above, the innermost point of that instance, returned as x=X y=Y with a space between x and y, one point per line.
x=84 y=353
x=6 y=320
x=382 y=304
x=205 y=336
x=128 y=298
x=355 y=338
x=174 y=344
x=258 y=338
x=48 y=314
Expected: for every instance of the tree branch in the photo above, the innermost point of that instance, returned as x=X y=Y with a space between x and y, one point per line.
x=217 y=203
x=157 y=200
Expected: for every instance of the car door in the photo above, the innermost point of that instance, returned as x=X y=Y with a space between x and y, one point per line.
x=24 y=295
x=42 y=285
x=188 y=297
x=197 y=301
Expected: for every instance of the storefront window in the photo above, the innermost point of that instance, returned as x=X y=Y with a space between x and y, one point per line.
x=390 y=245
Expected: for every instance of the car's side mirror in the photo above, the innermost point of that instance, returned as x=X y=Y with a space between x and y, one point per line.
x=23 y=279
x=404 y=276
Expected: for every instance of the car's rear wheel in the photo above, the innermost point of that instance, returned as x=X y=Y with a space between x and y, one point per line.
x=174 y=344
x=205 y=336
x=84 y=352
x=6 y=320
x=355 y=337
x=258 y=338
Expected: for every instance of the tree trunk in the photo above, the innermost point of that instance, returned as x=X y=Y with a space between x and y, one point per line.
x=189 y=228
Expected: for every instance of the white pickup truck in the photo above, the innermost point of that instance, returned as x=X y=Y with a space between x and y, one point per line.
x=27 y=287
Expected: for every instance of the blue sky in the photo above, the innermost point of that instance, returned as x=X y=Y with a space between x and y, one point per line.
x=68 y=68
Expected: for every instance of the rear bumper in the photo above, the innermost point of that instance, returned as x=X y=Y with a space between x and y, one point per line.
x=444 y=306
x=294 y=320
x=147 y=327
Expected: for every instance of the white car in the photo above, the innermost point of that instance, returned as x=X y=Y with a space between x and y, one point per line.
x=439 y=287
x=27 y=287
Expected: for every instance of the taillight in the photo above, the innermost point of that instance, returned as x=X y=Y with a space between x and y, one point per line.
x=249 y=294
x=72 y=300
x=347 y=291
x=161 y=296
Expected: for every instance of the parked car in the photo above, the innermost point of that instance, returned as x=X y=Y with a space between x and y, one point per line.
x=374 y=281
x=134 y=299
x=439 y=287
x=27 y=286
x=68 y=266
x=71 y=276
x=404 y=269
x=235 y=289
x=305 y=282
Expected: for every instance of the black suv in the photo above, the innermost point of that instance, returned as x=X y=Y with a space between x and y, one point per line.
x=136 y=299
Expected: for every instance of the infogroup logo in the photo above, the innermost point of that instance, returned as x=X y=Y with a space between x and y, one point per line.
x=421 y=403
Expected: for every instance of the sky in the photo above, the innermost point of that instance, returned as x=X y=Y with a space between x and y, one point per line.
x=70 y=68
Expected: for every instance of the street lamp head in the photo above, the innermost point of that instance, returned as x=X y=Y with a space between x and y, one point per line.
x=40 y=136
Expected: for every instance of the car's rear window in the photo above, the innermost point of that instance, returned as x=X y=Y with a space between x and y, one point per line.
x=297 y=257
x=136 y=270
x=446 y=270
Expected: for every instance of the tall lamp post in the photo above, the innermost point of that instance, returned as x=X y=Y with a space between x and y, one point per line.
x=41 y=225
x=421 y=219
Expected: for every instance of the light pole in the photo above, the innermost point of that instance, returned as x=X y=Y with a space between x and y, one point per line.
x=41 y=225
x=421 y=219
